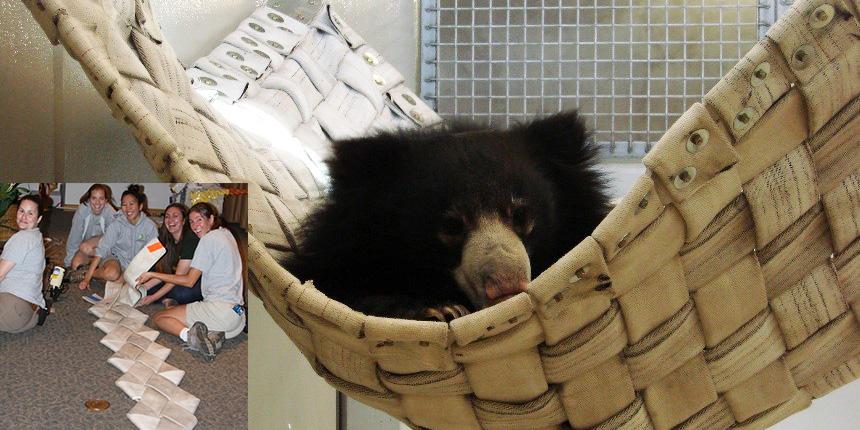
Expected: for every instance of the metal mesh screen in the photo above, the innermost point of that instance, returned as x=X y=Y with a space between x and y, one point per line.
x=630 y=66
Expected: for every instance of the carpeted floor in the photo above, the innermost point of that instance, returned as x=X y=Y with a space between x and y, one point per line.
x=48 y=373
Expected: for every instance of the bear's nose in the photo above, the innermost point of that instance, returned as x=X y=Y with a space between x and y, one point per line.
x=501 y=286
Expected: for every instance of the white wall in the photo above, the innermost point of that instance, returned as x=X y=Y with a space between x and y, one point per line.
x=61 y=129
x=283 y=390
x=158 y=194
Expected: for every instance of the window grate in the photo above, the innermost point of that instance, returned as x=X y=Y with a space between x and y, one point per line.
x=631 y=67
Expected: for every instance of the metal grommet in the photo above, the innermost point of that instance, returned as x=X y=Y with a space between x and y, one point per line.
x=371 y=59
x=275 y=17
x=256 y=27
x=249 y=41
x=262 y=54
x=642 y=203
x=274 y=44
x=683 y=179
x=821 y=16
x=623 y=241
x=247 y=69
x=579 y=274
x=697 y=139
x=760 y=73
x=416 y=116
x=230 y=77
x=743 y=119
x=802 y=57
x=235 y=55
x=300 y=18
x=208 y=81
x=409 y=99
x=379 y=80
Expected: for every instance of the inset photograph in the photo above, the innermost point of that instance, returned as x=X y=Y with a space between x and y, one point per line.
x=123 y=305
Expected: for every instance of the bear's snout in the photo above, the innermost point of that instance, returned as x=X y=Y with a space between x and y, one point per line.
x=501 y=285
x=494 y=265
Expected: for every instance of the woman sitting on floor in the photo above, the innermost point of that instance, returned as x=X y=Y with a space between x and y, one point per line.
x=176 y=236
x=122 y=240
x=22 y=263
x=218 y=264
x=93 y=216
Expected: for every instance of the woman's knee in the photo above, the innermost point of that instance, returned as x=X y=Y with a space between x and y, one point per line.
x=112 y=271
x=88 y=247
x=79 y=258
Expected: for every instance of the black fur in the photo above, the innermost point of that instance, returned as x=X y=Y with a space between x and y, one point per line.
x=374 y=245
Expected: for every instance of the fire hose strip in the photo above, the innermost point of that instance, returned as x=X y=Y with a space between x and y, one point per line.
x=147 y=378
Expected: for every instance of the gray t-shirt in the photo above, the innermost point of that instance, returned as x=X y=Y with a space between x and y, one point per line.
x=26 y=250
x=217 y=256
x=123 y=240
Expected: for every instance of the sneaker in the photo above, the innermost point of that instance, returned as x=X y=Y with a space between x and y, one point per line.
x=169 y=303
x=199 y=341
x=77 y=275
x=217 y=338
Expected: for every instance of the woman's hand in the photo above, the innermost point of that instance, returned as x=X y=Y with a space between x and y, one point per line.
x=145 y=276
x=147 y=300
x=85 y=284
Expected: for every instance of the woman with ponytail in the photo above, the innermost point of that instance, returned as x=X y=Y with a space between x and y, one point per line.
x=123 y=238
x=217 y=264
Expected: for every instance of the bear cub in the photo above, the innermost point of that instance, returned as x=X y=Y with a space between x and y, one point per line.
x=436 y=223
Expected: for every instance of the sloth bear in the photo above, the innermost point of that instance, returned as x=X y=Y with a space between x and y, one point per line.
x=436 y=223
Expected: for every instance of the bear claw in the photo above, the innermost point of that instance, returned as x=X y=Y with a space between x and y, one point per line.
x=445 y=313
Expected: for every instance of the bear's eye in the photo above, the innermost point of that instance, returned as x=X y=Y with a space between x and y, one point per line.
x=522 y=220
x=452 y=230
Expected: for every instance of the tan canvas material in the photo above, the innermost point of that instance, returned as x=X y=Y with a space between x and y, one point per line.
x=722 y=292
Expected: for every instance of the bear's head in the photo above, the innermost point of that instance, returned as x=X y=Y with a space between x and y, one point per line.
x=480 y=209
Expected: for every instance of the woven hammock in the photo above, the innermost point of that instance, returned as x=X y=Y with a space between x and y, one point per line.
x=733 y=261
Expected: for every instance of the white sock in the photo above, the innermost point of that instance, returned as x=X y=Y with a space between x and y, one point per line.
x=184 y=334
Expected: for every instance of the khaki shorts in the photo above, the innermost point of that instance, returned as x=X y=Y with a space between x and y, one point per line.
x=218 y=316
x=16 y=314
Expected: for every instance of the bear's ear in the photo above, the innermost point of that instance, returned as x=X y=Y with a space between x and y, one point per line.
x=367 y=160
x=561 y=140
x=561 y=147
